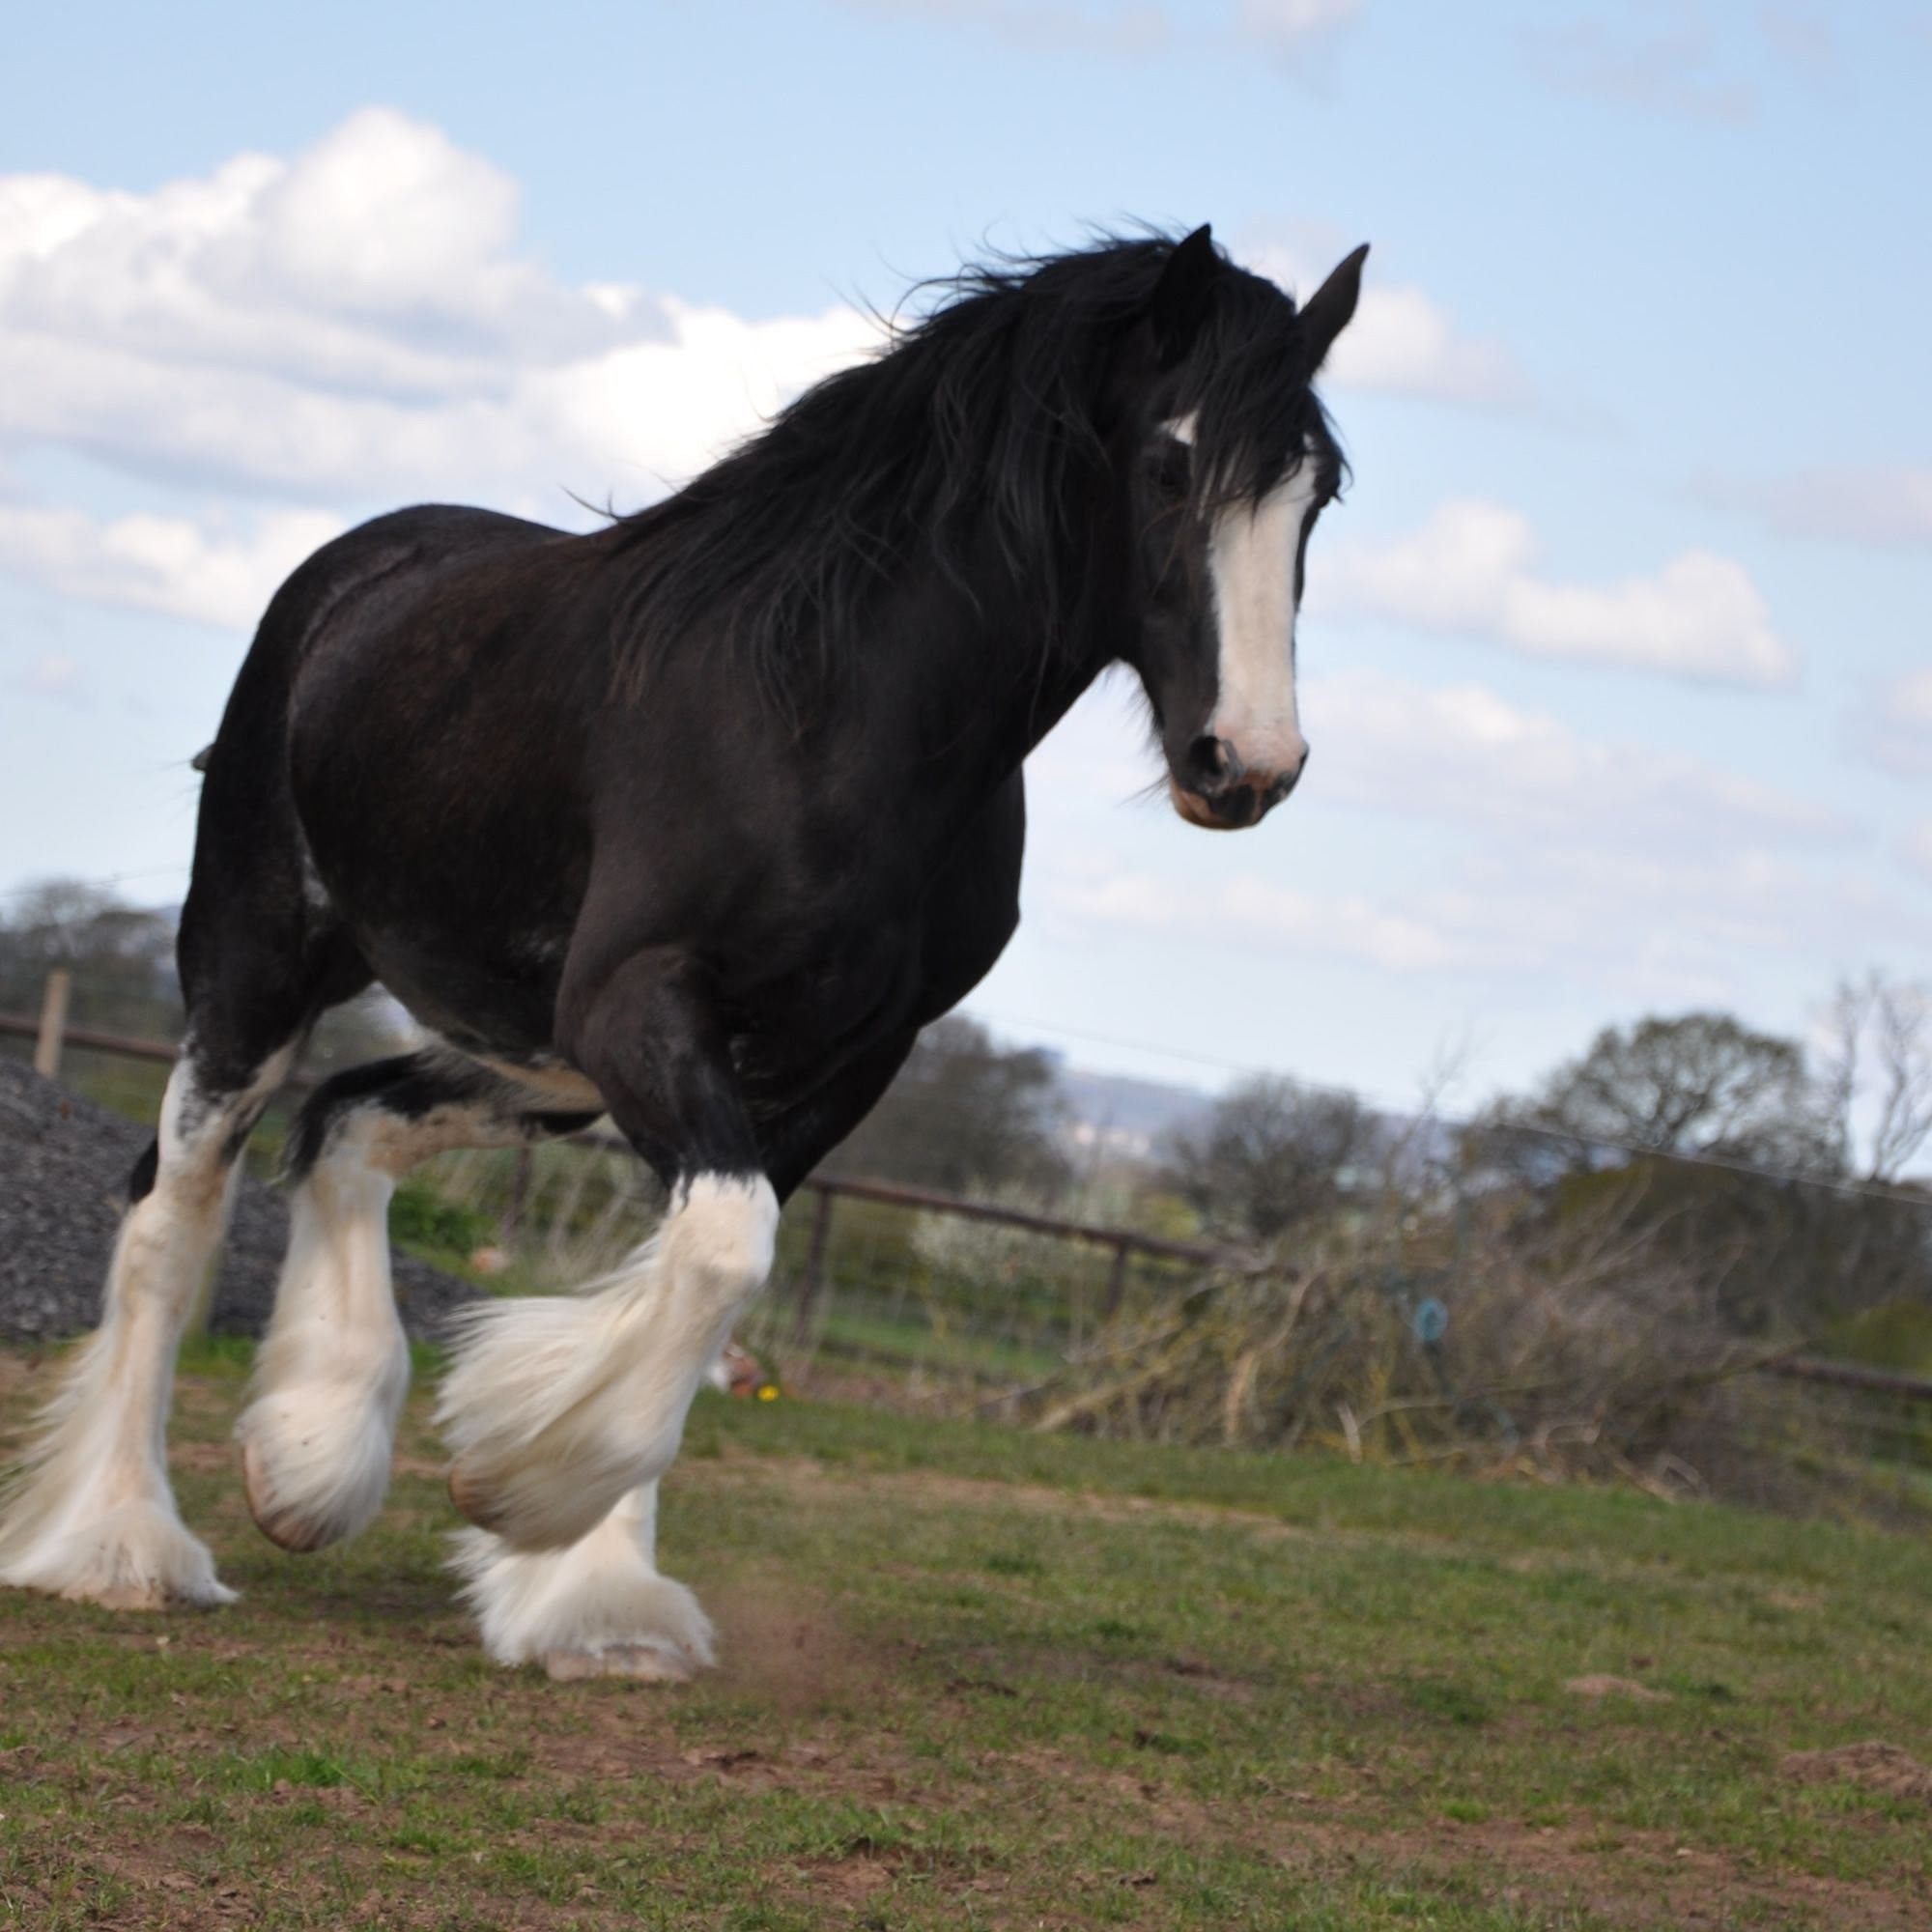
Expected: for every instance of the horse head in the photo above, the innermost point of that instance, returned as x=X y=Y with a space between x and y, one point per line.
x=1229 y=462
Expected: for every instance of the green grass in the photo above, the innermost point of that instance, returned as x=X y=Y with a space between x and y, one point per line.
x=978 y=1678
x=867 y=1331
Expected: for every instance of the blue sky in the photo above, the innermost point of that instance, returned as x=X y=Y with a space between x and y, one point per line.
x=1616 y=661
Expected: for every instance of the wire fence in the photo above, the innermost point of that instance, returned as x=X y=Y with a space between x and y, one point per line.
x=914 y=1298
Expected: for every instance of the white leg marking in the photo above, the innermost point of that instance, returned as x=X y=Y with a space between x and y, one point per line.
x=554 y=1408
x=334 y=1366
x=317 y=1440
x=598 y=1608
x=93 y=1518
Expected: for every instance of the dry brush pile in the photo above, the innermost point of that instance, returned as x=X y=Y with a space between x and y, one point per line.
x=1581 y=1351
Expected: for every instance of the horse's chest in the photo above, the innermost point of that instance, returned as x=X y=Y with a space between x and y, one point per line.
x=853 y=989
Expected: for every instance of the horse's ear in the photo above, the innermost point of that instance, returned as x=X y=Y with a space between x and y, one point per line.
x=1325 y=314
x=1179 y=304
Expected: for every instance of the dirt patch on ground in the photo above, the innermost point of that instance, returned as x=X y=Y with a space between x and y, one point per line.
x=1598 y=1686
x=1887 y=1769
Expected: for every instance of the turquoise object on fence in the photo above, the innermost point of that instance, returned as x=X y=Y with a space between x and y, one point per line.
x=1430 y=1321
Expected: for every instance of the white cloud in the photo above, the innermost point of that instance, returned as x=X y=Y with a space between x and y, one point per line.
x=1803 y=34
x=1470 y=569
x=1652 y=871
x=1257 y=911
x=1401 y=341
x=1671 y=70
x=1462 y=752
x=1883 y=505
x=1284 y=27
x=170 y=564
x=1674 y=923
x=1895 y=730
x=1916 y=846
x=1289 y=26
x=1084 y=26
x=352 y=326
x=54 y=675
x=1660 y=925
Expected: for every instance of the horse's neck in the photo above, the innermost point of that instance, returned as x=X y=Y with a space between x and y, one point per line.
x=980 y=692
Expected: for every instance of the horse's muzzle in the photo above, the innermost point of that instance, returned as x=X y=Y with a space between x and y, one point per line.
x=1233 y=807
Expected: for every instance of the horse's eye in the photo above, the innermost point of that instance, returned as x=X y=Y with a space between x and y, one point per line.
x=1170 y=468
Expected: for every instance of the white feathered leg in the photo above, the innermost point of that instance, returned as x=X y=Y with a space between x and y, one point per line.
x=598 y=1608
x=318 y=1438
x=556 y=1409
x=333 y=1369
x=91 y=1515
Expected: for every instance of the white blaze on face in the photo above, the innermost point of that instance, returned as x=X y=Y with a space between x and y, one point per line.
x=1251 y=556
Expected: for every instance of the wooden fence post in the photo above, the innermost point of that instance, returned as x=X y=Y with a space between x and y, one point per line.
x=53 y=1023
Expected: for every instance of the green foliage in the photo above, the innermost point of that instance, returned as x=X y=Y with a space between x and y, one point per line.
x=1896 y=1335
x=1731 y=1157
x=964 y=1114
x=1700 y=1083
x=422 y=1219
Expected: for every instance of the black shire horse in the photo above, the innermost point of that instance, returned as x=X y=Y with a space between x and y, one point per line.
x=694 y=820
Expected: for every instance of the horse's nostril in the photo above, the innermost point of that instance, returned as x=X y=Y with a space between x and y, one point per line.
x=1213 y=761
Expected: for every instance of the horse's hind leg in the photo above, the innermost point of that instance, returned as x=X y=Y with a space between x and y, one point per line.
x=92 y=1517
x=333 y=1369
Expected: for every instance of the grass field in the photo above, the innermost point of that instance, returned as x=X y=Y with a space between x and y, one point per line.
x=975 y=1678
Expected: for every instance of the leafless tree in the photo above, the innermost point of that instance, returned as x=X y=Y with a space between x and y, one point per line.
x=1879 y=1065
x=1272 y=1155
x=965 y=1114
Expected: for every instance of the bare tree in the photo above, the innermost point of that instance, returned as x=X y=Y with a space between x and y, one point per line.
x=964 y=1113
x=121 y=956
x=1879 y=1063
x=1270 y=1156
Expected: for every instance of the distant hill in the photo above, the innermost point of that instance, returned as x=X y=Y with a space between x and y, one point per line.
x=1126 y=1116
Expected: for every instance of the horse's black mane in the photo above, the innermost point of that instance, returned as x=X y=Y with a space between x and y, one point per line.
x=971 y=423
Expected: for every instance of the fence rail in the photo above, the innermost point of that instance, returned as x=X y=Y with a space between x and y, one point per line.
x=50 y=1041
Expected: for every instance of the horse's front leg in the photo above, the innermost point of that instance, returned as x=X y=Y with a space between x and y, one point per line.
x=563 y=1412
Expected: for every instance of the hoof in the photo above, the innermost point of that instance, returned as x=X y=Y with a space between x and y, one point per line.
x=532 y=1509
x=136 y=1557
x=136 y=1596
x=644 y=1663
x=286 y=1528
x=314 y=1456
x=469 y=1499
